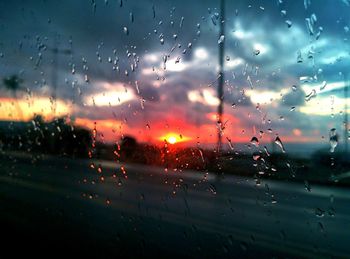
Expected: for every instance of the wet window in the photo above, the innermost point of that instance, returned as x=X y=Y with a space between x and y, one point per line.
x=204 y=128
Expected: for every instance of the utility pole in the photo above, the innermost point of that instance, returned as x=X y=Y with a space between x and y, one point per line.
x=221 y=72
x=55 y=50
x=54 y=73
x=346 y=119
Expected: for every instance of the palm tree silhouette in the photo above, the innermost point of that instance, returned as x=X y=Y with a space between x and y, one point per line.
x=13 y=84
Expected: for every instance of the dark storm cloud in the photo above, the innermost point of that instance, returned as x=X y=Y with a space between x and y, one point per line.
x=292 y=98
x=149 y=93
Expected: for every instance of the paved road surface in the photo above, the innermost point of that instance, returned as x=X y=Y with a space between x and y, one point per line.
x=62 y=205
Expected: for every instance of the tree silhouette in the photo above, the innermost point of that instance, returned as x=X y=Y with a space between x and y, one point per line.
x=13 y=84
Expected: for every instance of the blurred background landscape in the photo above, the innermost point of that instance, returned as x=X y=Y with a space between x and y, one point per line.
x=184 y=128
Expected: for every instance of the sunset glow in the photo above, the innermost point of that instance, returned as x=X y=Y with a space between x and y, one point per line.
x=26 y=109
x=173 y=138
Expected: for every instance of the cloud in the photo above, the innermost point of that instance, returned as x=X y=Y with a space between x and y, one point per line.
x=165 y=69
x=294 y=98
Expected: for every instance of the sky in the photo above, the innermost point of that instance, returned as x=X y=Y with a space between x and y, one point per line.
x=149 y=68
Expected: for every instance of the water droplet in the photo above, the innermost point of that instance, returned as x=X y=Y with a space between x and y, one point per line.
x=320 y=30
x=254 y=141
x=320 y=226
x=213 y=20
x=319 y=213
x=221 y=39
x=313 y=18
x=299 y=57
x=126 y=31
x=137 y=87
x=324 y=84
x=266 y=151
x=154 y=11
x=307 y=3
x=122 y=168
x=331 y=212
x=230 y=143
x=279 y=143
x=256 y=157
x=309 y=25
x=289 y=23
x=333 y=139
x=212 y=189
x=311 y=95
x=182 y=21
x=273 y=200
x=307 y=186
x=310 y=54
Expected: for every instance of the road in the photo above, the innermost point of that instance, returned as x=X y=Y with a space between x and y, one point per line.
x=63 y=205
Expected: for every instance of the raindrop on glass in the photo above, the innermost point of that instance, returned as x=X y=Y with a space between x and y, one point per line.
x=324 y=84
x=299 y=57
x=311 y=95
x=309 y=25
x=221 y=39
x=254 y=141
x=289 y=23
x=333 y=139
x=319 y=213
x=212 y=189
x=279 y=143
x=126 y=31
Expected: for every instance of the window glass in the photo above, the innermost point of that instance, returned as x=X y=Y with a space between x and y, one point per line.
x=176 y=128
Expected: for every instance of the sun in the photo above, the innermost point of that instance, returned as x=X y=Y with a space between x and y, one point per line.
x=172 y=139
